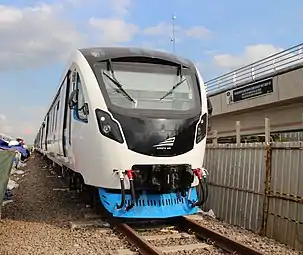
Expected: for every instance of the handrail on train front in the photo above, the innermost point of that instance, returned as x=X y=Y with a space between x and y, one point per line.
x=249 y=73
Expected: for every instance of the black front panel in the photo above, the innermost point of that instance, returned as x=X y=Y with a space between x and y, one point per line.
x=158 y=137
x=163 y=178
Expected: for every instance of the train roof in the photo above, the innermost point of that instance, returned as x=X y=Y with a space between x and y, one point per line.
x=97 y=54
x=6 y=136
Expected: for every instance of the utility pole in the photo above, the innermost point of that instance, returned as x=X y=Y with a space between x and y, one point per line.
x=173 y=39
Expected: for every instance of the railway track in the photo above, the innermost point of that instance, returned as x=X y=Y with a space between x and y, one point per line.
x=180 y=235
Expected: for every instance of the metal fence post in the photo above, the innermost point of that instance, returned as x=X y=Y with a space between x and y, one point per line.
x=267 y=176
x=238 y=133
x=267 y=131
x=267 y=189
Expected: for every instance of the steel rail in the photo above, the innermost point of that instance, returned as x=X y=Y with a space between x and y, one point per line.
x=221 y=241
x=145 y=248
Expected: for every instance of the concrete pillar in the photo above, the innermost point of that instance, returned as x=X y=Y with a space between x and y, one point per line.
x=238 y=133
x=267 y=130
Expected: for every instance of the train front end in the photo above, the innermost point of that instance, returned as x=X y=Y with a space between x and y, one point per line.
x=157 y=107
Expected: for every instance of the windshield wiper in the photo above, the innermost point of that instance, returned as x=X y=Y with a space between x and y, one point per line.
x=177 y=84
x=117 y=83
x=173 y=88
x=121 y=89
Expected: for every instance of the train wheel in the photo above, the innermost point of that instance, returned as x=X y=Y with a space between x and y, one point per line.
x=72 y=178
x=95 y=198
x=96 y=202
x=63 y=172
x=79 y=184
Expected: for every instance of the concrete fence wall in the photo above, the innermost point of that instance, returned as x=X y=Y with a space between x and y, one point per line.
x=258 y=187
x=266 y=131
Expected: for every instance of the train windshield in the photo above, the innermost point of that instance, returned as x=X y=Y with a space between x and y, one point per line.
x=150 y=87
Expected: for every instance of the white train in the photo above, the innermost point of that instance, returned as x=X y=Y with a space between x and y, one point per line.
x=6 y=138
x=132 y=123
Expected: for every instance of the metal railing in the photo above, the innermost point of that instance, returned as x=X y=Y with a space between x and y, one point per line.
x=252 y=72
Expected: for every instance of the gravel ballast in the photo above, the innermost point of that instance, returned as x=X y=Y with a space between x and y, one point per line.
x=261 y=243
x=38 y=219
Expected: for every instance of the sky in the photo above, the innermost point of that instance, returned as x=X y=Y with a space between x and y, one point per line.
x=36 y=39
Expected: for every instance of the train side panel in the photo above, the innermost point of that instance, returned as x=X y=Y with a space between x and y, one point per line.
x=85 y=137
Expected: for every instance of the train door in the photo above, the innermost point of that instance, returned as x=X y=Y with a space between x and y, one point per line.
x=67 y=119
x=41 y=136
x=79 y=124
x=57 y=125
x=46 y=131
x=75 y=117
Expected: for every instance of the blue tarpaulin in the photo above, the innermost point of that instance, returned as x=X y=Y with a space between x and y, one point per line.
x=21 y=149
x=4 y=146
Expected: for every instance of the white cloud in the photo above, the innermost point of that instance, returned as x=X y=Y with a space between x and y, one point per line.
x=251 y=54
x=26 y=125
x=117 y=30
x=114 y=31
x=197 y=32
x=105 y=8
x=33 y=36
x=6 y=128
x=207 y=69
x=161 y=29
x=121 y=7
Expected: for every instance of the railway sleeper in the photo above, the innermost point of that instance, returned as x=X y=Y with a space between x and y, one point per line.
x=186 y=223
x=188 y=244
x=169 y=249
x=76 y=185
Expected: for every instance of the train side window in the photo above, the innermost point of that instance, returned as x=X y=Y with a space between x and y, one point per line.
x=50 y=120
x=53 y=120
x=56 y=114
x=81 y=114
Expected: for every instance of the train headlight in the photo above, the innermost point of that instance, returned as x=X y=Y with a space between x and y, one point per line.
x=199 y=131
x=108 y=127
x=202 y=129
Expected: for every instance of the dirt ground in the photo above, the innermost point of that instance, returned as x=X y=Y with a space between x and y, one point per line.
x=38 y=219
